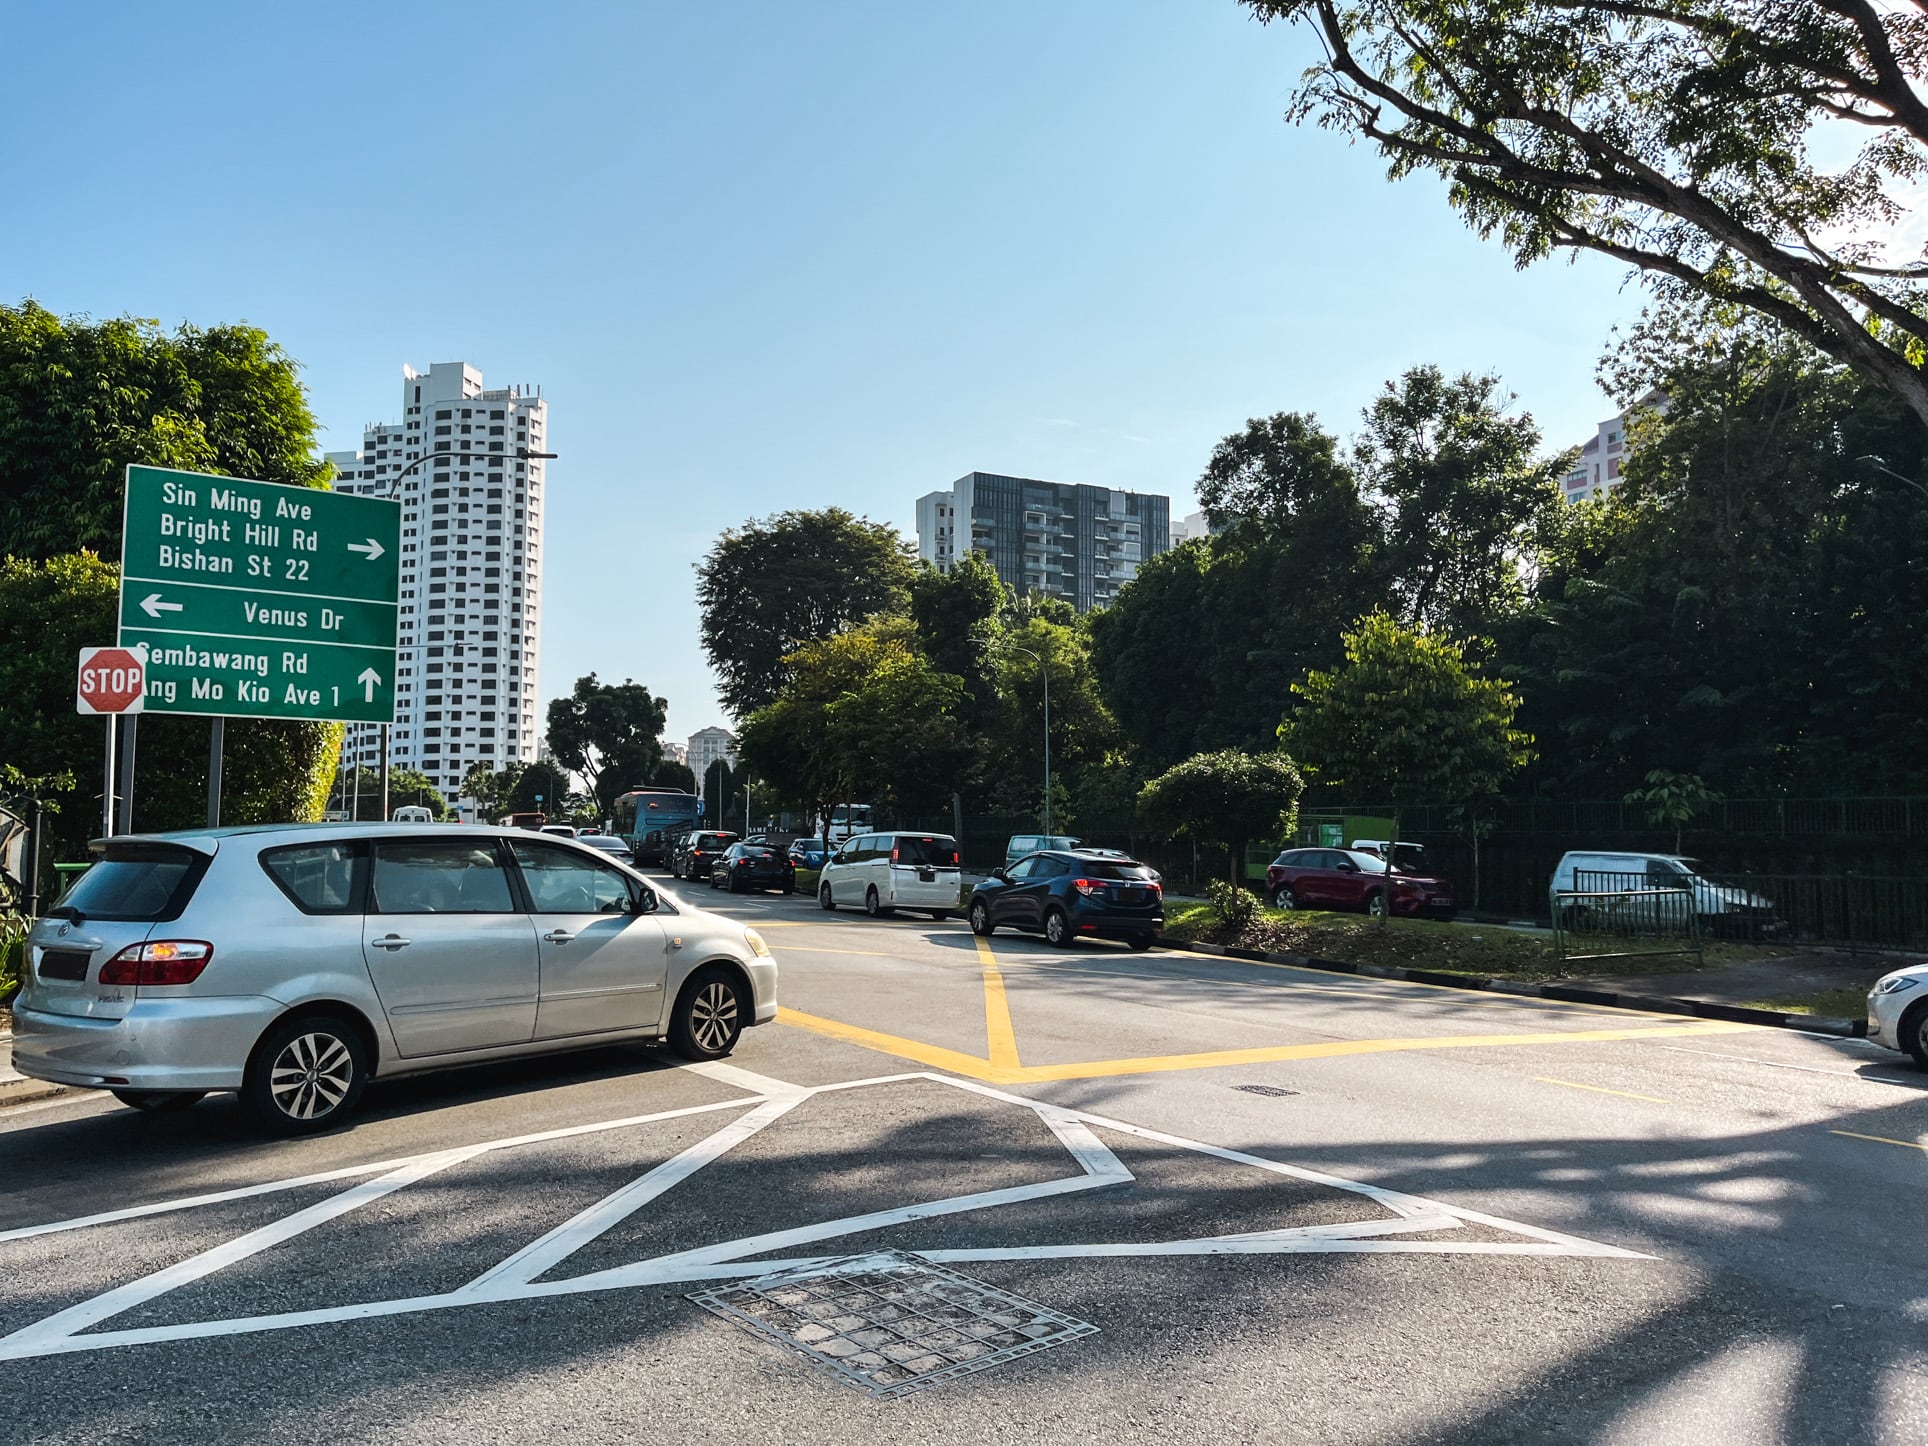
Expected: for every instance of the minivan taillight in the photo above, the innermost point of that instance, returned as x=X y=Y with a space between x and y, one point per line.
x=160 y=961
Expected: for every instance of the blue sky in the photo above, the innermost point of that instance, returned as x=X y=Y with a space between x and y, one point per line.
x=764 y=255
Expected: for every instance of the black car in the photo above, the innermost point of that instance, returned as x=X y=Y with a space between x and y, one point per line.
x=697 y=851
x=1065 y=896
x=745 y=866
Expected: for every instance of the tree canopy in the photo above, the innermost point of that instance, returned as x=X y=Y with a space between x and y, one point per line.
x=610 y=735
x=80 y=400
x=1403 y=720
x=1678 y=136
x=769 y=587
x=1228 y=797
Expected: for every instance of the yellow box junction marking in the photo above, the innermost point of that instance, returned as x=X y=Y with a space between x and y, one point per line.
x=1001 y=1064
x=1001 y=1039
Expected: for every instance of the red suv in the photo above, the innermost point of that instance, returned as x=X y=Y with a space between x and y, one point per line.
x=1349 y=879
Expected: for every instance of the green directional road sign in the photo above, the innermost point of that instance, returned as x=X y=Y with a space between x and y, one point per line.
x=255 y=600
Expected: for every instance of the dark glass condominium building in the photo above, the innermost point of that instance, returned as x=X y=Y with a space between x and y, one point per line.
x=1064 y=539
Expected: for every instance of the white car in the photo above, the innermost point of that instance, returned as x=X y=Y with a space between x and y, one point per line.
x=1656 y=888
x=885 y=872
x=1898 y=1012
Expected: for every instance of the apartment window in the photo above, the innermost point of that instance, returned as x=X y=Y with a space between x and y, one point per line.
x=443 y=415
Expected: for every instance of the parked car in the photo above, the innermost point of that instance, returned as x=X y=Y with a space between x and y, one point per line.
x=293 y=963
x=1097 y=853
x=1898 y=1012
x=808 y=853
x=697 y=852
x=606 y=843
x=745 y=866
x=1065 y=895
x=1347 y=880
x=1021 y=844
x=1723 y=909
x=885 y=872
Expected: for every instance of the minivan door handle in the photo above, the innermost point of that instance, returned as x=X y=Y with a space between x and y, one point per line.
x=391 y=941
x=558 y=936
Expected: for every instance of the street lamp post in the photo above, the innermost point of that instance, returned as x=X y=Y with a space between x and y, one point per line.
x=522 y=454
x=1872 y=461
x=1045 y=669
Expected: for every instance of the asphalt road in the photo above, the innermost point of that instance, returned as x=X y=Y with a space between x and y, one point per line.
x=1294 y=1207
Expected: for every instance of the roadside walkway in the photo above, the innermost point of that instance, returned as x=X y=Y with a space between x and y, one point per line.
x=1795 y=974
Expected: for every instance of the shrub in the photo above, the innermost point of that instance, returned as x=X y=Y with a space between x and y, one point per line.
x=1236 y=907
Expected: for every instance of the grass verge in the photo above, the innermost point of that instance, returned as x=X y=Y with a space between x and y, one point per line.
x=1830 y=1003
x=1486 y=951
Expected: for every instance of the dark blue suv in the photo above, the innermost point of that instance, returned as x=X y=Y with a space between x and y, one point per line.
x=1066 y=894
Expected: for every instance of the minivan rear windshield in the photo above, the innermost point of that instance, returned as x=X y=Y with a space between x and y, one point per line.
x=927 y=852
x=137 y=884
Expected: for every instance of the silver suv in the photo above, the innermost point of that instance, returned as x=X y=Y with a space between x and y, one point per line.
x=295 y=962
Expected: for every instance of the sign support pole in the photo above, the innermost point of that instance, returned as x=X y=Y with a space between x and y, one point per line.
x=107 y=788
x=128 y=731
x=217 y=738
x=385 y=809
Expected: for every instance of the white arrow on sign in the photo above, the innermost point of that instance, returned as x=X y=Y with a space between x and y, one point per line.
x=371 y=548
x=154 y=607
x=370 y=680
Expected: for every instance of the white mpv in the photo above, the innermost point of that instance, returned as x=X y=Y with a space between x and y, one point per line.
x=885 y=872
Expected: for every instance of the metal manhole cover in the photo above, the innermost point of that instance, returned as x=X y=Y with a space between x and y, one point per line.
x=890 y=1322
x=1275 y=1091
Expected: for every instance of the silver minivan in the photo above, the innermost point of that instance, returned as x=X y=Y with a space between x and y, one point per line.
x=885 y=872
x=295 y=962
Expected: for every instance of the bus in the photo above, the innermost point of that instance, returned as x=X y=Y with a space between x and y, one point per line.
x=648 y=819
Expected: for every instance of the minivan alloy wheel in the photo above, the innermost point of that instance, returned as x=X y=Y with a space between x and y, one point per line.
x=709 y=1016
x=306 y=1073
x=311 y=1076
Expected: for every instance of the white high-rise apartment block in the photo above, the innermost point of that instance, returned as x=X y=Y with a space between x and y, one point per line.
x=706 y=745
x=1597 y=470
x=467 y=673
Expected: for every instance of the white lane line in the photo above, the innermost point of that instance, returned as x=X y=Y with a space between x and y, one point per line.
x=1100 y=1168
x=113 y=1302
x=566 y=1239
x=349 y=1172
x=762 y=1085
x=1072 y=1127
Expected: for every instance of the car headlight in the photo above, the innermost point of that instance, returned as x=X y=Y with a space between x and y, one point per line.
x=755 y=941
x=1896 y=983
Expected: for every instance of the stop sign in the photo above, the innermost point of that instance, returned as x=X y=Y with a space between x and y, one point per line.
x=112 y=680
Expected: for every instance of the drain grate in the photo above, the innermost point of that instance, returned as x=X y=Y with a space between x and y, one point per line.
x=1274 y=1091
x=890 y=1323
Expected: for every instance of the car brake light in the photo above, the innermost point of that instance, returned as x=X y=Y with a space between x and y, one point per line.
x=162 y=961
x=1088 y=886
x=893 y=855
x=744 y=864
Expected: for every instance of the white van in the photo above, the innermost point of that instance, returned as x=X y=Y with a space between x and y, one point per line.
x=412 y=813
x=885 y=872
x=1721 y=907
